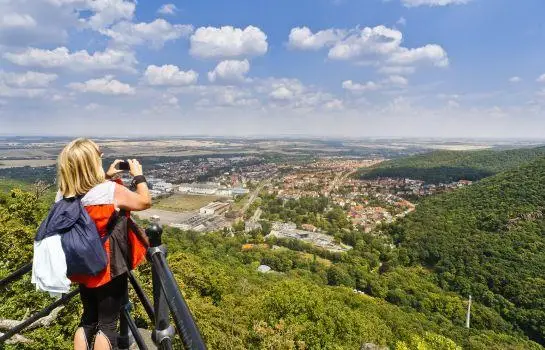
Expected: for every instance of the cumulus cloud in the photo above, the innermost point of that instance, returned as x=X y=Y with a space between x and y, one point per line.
x=167 y=9
x=230 y=71
x=282 y=93
x=281 y=89
x=434 y=54
x=61 y=57
x=302 y=38
x=104 y=12
x=27 y=80
x=6 y=91
x=416 y=3
x=155 y=33
x=379 y=40
x=24 y=23
x=541 y=79
x=334 y=104
x=379 y=45
x=105 y=86
x=16 y=20
x=214 y=96
x=390 y=82
x=227 y=41
x=397 y=80
x=515 y=80
x=357 y=87
x=169 y=75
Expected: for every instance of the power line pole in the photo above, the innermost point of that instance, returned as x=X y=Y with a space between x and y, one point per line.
x=468 y=317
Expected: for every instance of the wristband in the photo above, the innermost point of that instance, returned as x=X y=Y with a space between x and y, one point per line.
x=138 y=179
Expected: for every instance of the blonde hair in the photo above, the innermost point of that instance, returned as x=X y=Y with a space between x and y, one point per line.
x=79 y=168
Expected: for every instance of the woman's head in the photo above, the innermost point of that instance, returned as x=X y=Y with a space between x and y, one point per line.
x=79 y=168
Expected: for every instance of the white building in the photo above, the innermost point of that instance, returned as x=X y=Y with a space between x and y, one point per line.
x=214 y=208
x=197 y=188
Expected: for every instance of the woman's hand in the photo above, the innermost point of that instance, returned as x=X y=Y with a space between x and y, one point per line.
x=135 y=167
x=112 y=170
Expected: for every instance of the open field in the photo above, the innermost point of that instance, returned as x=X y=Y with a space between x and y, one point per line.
x=184 y=202
x=166 y=217
x=4 y=164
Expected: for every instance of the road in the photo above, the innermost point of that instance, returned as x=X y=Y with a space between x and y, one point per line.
x=339 y=180
x=254 y=194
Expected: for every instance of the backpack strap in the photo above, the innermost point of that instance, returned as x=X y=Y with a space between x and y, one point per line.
x=111 y=224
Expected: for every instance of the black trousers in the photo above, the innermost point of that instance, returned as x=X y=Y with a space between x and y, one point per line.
x=101 y=308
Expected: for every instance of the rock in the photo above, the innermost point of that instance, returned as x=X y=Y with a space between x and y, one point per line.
x=264 y=268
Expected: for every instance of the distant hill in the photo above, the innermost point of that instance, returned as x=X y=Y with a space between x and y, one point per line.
x=487 y=240
x=450 y=166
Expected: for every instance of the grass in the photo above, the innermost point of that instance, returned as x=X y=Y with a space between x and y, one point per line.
x=7 y=185
x=184 y=202
x=241 y=202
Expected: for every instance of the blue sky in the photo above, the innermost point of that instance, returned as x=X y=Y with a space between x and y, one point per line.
x=354 y=68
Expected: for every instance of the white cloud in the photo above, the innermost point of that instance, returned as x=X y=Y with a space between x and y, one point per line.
x=356 y=87
x=16 y=20
x=282 y=93
x=335 y=104
x=373 y=46
x=214 y=96
x=379 y=40
x=167 y=9
x=515 y=80
x=401 y=22
x=156 y=33
x=27 y=80
x=211 y=42
x=103 y=12
x=106 y=86
x=302 y=38
x=397 y=80
x=541 y=79
x=432 y=53
x=61 y=57
x=171 y=100
x=30 y=22
x=281 y=89
x=415 y=3
x=453 y=104
x=6 y=91
x=169 y=75
x=230 y=71
x=106 y=12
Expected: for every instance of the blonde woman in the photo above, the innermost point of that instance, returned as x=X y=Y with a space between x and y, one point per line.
x=80 y=173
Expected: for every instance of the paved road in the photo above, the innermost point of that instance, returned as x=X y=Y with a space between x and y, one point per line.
x=339 y=180
x=254 y=194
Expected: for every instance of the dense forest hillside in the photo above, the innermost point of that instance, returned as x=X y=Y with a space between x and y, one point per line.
x=450 y=166
x=487 y=240
x=309 y=303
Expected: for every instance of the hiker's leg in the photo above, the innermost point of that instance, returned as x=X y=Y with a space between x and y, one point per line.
x=83 y=338
x=110 y=299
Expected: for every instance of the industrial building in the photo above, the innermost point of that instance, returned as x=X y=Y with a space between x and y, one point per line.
x=211 y=188
x=214 y=208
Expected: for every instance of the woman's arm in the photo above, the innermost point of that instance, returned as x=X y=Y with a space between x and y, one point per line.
x=133 y=201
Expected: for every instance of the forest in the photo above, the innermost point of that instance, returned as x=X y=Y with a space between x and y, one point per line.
x=451 y=166
x=375 y=294
x=486 y=240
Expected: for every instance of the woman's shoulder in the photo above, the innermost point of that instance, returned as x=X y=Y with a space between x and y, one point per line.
x=100 y=194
